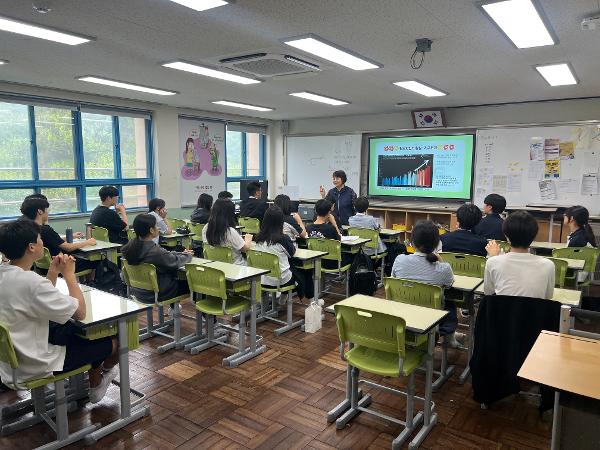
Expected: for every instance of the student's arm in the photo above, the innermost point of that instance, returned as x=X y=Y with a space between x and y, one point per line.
x=56 y=306
x=551 y=281
x=247 y=242
x=288 y=245
x=169 y=229
x=298 y=220
x=488 y=282
x=120 y=208
x=71 y=247
x=239 y=243
x=167 y=260
x=331 y=219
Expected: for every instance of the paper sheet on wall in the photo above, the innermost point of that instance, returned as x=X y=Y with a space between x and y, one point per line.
x=551 y=149
x=567 y=150
x=499 y=183
x=547 y=189
x=595 y=138
x=488 y=148
x=514 y=182
x=552 y=168
x=568 y=186
x=589 y=184
x=581 y=137
x=536 y=149
x=536 y=170
x=480 y=194
x=293 y=192
x=591 y=160
x=570 y=168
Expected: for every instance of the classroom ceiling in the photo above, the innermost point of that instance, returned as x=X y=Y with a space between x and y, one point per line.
x=471 y=59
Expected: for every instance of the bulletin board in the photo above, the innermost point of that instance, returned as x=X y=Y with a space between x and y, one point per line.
x=553 y=165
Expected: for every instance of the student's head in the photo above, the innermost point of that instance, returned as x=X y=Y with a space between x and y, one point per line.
x=36 y=195
x=21 y=239
x=222 y=217
x=339 y=178
x=361 y=204
x=205 y=202
x=578 y=217
x=323 y=208
x=271 y=227
x=225 y=194
x=426 y=237
x=156 y=205
x=254 y=189
x=520 y=229
x=284 y=203
x=145 y=229
x=109 y=195
x=468 y=215
x=494 y=203
x=35 y=207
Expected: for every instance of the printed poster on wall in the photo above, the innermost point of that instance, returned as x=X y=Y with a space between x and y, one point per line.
x=201 y=155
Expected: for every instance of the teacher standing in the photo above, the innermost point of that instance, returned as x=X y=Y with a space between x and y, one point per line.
x=342 y=196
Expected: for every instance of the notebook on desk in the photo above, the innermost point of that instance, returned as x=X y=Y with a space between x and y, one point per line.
x=349 y=238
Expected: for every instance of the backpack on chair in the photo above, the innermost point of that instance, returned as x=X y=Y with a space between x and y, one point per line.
x=363 y=279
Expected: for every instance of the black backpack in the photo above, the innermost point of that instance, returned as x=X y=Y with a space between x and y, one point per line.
x=108 y=278
x=363 y=279
x=393 y=250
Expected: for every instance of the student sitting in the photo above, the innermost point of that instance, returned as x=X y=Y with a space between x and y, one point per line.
x=464 y=240
x=325 y=226
x=425 y=266
x=202 y=211
x=271 y=239
x=518 y=273
x=490 y=226
x=220 y=231
x=157 y=208
x=581 y=233
x=143 y=249
x=362 y=220
x=254 y=206
x=36 y=209
x=292 y=223
x=226 y=195
x=114 y=221
x=29 y=302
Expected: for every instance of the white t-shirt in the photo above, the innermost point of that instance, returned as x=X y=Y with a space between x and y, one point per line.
x=27 y=303
x=234 y=241
x=519 y=274
x=161 y=224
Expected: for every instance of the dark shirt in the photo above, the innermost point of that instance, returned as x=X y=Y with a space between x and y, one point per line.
x=200 y=215
x=578 y=238
x=253 y=207
x=107 y=218
x=463 y=241
x=344 y=204
x=490 y=227
x=290 y=220
x=322 y=230
x=51 y=239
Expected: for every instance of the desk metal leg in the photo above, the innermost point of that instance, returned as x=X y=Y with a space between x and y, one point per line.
x=471 y=306
x=551 y=227
x=557 y=416
x=317 y=278
x=128 y=414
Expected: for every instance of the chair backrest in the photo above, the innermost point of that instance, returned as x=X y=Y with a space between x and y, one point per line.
x=332 y=246
x=266 y=261
x=100 y=234
x=371 y=329
x=177 y=223
x=7 y=350
x=504 y=245
x=45 y=261
x=366 y=233
x=413 y=292
x=130 y=234
x=206 y=280
x=588 y=254
x=251 y=225
x=462 y=264
x=196 y=228
x=221 y=254
x=140 y=276
x=560 y=271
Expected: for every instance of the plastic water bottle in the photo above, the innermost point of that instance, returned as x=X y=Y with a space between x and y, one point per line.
x=312 y=317
x=69 y=235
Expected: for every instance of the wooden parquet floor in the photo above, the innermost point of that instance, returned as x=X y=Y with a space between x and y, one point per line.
x=279 y=401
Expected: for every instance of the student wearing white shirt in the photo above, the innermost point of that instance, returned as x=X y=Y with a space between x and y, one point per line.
x=157 y=207
x=362 y=220
x=518 y=273
x=30 y=302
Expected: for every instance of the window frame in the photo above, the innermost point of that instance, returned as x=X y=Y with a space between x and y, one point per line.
x=262 y=160
x=80 y=183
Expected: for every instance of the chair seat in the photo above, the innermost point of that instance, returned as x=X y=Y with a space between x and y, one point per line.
x=384 y=363
x=378 y=256
x=342 y=269
x=267 y=288
x=39 y=382
x=213 y=306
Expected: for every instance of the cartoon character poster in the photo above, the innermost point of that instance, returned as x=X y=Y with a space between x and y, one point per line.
x=202 y=158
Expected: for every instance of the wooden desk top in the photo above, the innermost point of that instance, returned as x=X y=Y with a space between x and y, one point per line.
x=234 y=272
x=303 y=254
x=102 y=307
x=100 y=245
x=568 y=363
x=548 y=245
x=418 y=319
x=467 y=284
x=574 y=264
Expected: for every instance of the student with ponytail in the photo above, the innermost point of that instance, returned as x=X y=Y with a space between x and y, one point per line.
x=425 y=266
x=143 y=249
x=577 y=219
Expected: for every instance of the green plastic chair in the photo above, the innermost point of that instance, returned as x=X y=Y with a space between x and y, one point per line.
x=221 y=254
x=588 y=254
x=208 y=288
x=100 y=234
x=504 y=245
x=333 y=248
x=37 y=386
x=131 y=234
x=177 y=223
x=251 y=225
x=377 y=345
x=373 y=235
x=462 y=264
x=196 y=228
x=44 y=264
x=143 y=276
x=560 y=271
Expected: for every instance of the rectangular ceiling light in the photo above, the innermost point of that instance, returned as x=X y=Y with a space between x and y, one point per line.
x=200 y=70
x=319 y=98
x=16 y=26
x=201 y=5
x=3 y=61
x=557 y=74
x=420 y=88
x=520 y=21
x=326 y=50
x=242 y=105
x=123 y=85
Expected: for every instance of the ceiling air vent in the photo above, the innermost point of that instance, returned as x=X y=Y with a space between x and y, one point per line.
x=269 y=65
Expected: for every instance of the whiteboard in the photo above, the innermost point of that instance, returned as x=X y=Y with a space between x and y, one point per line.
x=513 y=161
x=312 y=159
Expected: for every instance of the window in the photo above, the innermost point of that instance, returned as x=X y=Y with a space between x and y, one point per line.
x=245 y=156
x=68 y=154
